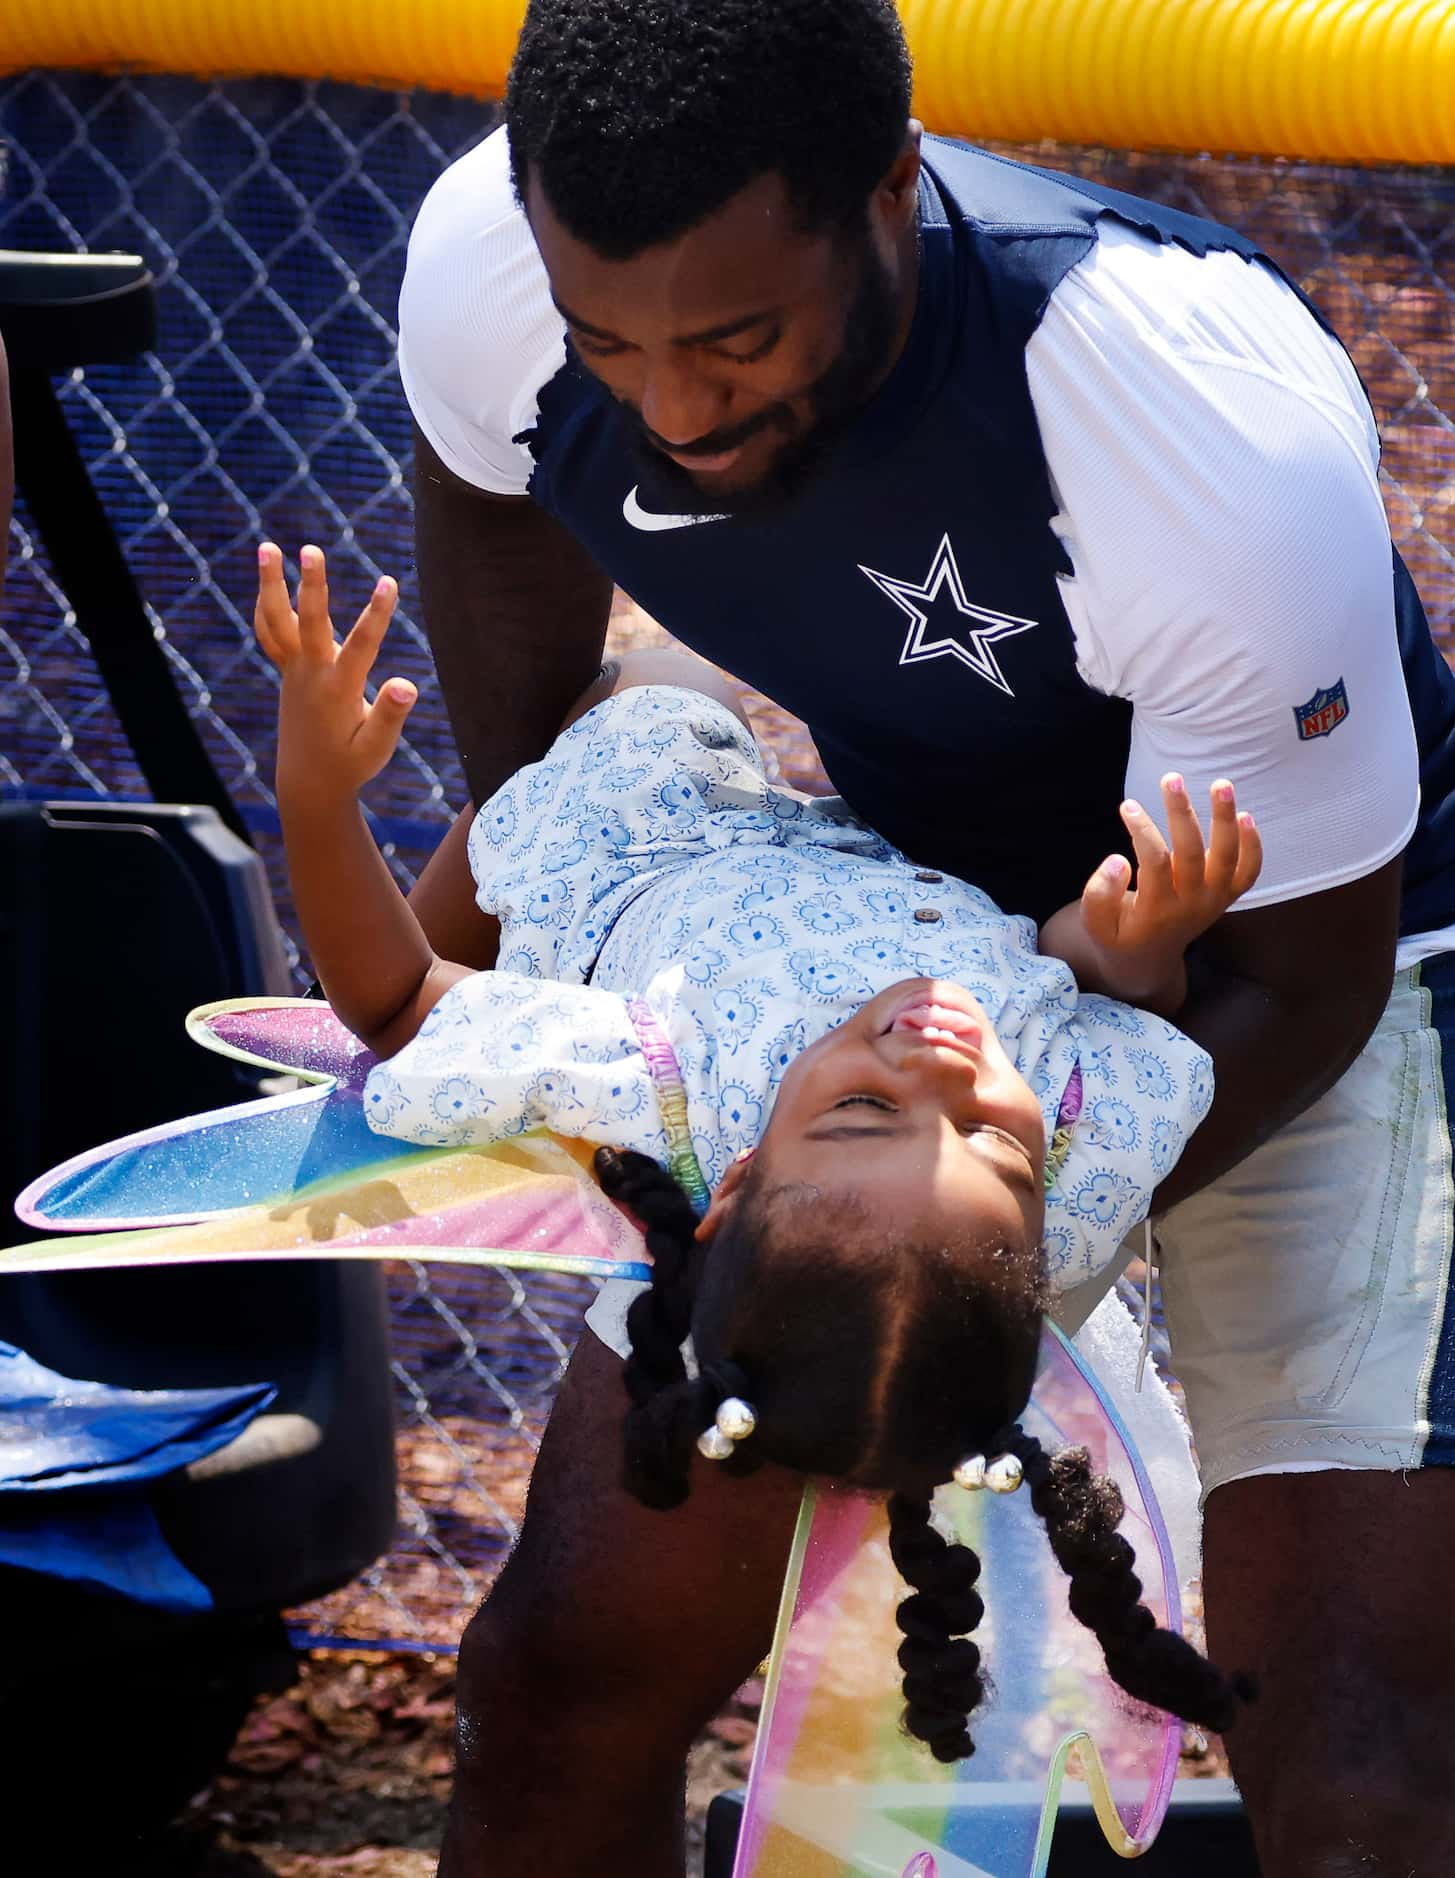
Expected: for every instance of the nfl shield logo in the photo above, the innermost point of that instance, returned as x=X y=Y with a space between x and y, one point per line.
x=1323 y=713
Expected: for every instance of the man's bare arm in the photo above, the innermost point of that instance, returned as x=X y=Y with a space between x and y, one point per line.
x=443 y=901
x=516 y=611
x=1284 y=998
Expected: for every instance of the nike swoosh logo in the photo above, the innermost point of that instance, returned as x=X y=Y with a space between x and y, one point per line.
x=650 y=524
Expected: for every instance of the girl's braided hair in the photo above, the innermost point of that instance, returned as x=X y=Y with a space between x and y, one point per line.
x=880 y=1364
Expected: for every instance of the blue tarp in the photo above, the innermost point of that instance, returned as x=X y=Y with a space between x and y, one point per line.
x=74 y=1459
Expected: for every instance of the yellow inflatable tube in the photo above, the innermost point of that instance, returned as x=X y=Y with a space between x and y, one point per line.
x=1350 y=80
x=1340 y=80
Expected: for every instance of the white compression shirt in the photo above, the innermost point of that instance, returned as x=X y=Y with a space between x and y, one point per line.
x=478 y=332
x=1216 y=466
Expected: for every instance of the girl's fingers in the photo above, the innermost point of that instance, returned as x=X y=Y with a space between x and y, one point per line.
x=1186 y=832
x=315 y=631
x=1104 y=897
x=358 y=652
x=1224 y=840
x=376 y=737
x=1154 y=861
x=1250 y=856
x=273 y=619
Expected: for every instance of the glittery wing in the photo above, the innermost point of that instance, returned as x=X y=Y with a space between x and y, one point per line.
x=837 y=1788
x=250 y=1154
x=299 y=1036
x=247 y=1154
x=529 y=1204
x=301 y=1174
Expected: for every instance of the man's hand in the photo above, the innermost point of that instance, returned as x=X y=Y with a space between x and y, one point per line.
x=1130 y=941
x=330 y=737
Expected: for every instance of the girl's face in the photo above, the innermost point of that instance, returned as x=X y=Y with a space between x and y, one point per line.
x=913 y=1106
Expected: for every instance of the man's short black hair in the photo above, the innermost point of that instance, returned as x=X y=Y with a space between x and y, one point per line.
x=641 y=117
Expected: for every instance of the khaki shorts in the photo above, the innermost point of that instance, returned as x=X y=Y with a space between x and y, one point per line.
x=1307 y=1292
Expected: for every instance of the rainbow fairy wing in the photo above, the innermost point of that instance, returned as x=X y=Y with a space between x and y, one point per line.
x=300 y=1036
x=301 y=1174
x=531 y=1203
x=838 y=1790
x=248 y=1154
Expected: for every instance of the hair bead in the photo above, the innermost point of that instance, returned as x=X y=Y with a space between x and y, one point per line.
x=735 y=1418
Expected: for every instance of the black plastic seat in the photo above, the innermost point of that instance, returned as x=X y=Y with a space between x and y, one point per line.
x=92 y=1045
x=58 y=311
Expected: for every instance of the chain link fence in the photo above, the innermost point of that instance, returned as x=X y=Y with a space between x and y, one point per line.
x=275 y=215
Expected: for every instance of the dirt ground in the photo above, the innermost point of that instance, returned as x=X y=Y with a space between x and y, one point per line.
x=347 y=1775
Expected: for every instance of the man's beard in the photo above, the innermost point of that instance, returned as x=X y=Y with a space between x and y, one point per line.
x=836 y=399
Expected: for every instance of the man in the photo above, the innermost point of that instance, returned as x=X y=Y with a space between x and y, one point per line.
x=1020 y=493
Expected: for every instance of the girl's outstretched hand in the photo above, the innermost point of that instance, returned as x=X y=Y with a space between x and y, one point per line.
x=1180 y=890
x=1128 y=936
x=330 y=737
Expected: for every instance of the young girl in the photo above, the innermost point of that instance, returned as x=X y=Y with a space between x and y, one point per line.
x=898 y=1120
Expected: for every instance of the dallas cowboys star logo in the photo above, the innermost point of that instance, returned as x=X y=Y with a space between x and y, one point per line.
x=971 y=644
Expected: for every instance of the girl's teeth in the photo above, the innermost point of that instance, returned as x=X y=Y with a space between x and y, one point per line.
x=938 y=1023
x=937 y=1017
